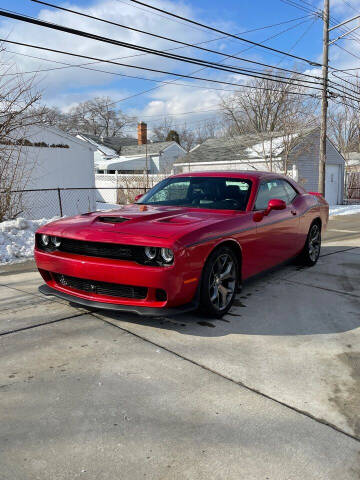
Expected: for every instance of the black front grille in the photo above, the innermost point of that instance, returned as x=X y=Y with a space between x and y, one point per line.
x=99 y=249
x=101 y=288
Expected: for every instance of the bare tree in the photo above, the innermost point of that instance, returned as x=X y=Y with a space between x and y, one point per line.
x=270 y=108
x=96 y=117
x=344 y=126
x=53 y=117
x=188 y=137
x=18 y=112
x=162 y=129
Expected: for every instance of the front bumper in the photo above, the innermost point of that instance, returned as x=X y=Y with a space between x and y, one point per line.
x=173 y=280
x=139 y=310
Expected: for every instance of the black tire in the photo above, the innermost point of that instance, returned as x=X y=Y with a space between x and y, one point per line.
x=311 y=251
x=219 y=282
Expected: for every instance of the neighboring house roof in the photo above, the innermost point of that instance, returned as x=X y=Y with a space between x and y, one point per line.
x=241 y=147
x=116 y=162
x=150 y=148
x=109 y=145
x=38 y=130
x=126 y=146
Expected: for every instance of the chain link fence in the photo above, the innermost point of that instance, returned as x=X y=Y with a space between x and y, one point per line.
x=51 y=202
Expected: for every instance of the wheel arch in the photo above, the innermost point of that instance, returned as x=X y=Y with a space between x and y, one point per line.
x=236 y=247
x=317 y=220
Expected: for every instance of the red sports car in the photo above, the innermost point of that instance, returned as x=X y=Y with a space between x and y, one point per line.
x=187 y=243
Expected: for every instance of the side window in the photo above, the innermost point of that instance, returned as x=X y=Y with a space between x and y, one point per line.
x=268 y=190
x=263 y=196
x=291 y=192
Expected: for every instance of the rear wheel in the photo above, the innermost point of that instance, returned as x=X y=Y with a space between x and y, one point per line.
x=219 y=282
x=311 y=251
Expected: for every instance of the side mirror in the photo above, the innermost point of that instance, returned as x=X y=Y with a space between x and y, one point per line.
x=138 y=197
x=275 y=204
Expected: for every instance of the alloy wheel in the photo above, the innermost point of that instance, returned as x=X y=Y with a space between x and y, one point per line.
x=314 y=242
x=222 y=281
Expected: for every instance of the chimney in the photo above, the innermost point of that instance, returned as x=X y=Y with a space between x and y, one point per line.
x=142 y=133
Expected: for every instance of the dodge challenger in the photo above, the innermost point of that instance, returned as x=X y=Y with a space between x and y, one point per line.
x=186 y=244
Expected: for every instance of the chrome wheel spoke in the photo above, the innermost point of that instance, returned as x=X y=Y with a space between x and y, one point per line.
x=228 y=272
x=215 y=294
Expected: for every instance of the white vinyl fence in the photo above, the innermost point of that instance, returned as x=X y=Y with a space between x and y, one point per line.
x=121 y=188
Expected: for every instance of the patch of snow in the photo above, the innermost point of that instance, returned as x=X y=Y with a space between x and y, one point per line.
x=17 y=238
x=344 y=210
x=106 y=206
x=105 y=150
x=274 y=146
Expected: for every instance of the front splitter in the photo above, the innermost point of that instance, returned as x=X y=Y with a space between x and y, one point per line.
x=146 y=311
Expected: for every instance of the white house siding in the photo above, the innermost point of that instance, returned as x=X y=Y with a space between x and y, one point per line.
x=168 y=157
x=52 y=168
x=307 y=163
x=159 y=159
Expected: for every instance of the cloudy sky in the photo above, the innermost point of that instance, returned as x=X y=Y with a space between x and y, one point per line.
x=147 y=97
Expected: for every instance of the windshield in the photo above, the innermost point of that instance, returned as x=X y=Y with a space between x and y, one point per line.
x=218 y=193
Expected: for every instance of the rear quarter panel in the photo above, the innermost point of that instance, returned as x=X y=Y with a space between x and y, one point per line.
x=313 y=207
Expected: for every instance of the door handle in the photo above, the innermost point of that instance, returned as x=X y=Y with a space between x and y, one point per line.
x=294 y=212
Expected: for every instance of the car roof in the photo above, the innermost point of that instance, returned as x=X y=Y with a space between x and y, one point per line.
x=246 y=174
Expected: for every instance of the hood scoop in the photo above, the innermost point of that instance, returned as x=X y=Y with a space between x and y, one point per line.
x=112 y=219
x=179 y=220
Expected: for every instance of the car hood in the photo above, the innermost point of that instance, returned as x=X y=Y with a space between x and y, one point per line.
x=136 y=223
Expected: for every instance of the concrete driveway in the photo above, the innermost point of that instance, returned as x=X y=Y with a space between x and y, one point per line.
x=272 y=391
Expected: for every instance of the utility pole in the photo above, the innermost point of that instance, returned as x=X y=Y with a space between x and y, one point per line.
x=324 y=98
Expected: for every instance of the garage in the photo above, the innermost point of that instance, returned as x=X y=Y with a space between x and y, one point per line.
x=333 y=188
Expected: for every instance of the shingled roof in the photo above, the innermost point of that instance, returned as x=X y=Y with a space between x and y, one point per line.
x=113 y=143
x=125 y=146
x=249 y=146
x=150 y=148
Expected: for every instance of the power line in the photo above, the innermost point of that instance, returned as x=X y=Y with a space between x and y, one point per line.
x=180 y=75
x=144 y=54
x=192 y=60
x=169 y=73
x=191 y=45
x=174 y=82
x=228 y=34
x=309 y=8
x=333 y=21
x=161 y=53
x=298 y=41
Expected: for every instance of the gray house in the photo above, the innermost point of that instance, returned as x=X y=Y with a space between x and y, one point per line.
x=296 y=155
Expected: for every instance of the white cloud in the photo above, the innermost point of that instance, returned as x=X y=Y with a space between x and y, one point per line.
x=108 y=9
x=172 y=102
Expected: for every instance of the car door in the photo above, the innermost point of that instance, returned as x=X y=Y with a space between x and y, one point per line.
x=277 y=234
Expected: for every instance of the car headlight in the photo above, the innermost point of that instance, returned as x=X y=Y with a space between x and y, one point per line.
x=167 y=255
x=45 y=239
x=56 y=241
x=151 y=252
